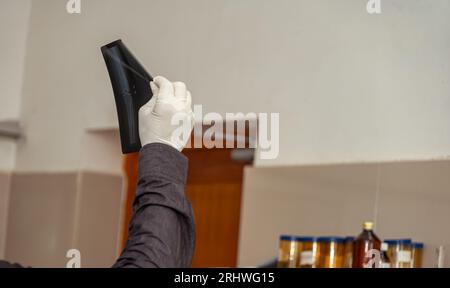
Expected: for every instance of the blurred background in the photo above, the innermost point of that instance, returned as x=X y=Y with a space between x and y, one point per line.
x=364 y=103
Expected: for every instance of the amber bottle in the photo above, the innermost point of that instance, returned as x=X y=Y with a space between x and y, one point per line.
x=365 y=242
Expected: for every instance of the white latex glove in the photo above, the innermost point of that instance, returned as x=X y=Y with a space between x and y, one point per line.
x=167 y=118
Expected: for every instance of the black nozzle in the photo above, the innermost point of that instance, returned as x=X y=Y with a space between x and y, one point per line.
x=131 y=86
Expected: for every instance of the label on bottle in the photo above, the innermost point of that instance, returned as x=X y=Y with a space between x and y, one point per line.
x=306 y=258
x=404 y=256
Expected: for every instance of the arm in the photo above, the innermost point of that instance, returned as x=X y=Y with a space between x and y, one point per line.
x=4 y=264
x=162 y=229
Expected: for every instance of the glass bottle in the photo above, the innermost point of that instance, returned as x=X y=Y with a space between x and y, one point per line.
x=364 y=243
x=399 y=252
x=440 y=257
x=331 y=252
x=416 y=255
x=348 y=252
x=288 y=252
x=385 y=262
x=308 y=252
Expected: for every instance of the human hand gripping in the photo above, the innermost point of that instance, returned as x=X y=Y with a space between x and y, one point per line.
x=167 y=118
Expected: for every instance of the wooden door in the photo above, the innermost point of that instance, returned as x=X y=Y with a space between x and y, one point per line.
x=214 y=188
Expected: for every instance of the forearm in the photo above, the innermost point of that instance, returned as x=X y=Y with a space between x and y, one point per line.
x=162 y=229
x=4 y=264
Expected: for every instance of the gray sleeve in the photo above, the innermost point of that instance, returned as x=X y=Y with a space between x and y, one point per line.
x=162 y=229
x=4 y=264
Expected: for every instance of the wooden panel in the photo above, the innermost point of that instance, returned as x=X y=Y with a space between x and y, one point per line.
x=214 y=188
x=130 y=167
x=212 y=166
x=217 y=211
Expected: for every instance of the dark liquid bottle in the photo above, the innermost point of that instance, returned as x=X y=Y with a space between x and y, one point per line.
x=365 y=242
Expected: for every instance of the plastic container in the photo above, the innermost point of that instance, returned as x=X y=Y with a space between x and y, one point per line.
x=331 y=252
x=308 y=252
x=399 y=252
x=288 y=253
x=416 y=255
x=348 y=252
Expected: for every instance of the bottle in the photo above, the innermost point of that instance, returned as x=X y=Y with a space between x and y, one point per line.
x=416 y=255
x=348 y=252
x=331 y=252
x=440 y=257
x=385 y=262
x=288 y=252
x=399 y=252
x=364 y=243
x=308 y=252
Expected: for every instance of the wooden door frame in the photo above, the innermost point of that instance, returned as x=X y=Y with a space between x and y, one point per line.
x=130 y=164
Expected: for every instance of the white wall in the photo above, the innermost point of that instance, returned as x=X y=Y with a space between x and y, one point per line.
x=349 y=86
x=7 y=154
x=14 y=20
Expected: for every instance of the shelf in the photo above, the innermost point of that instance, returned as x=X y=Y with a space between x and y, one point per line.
x=10 y=129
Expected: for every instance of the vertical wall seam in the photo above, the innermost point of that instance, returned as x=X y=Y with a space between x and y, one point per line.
x=4 y=233
x=77 y=212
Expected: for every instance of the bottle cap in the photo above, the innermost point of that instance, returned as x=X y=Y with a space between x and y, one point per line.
x=305 y=239
x=290 y=238
x=330 y=239
x=368 y=225
x=393 y=242
x=417 y=245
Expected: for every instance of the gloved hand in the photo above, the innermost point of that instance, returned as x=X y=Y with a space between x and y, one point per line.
x=167 y=118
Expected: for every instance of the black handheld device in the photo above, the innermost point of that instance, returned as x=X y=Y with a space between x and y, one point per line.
x=131 y=86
